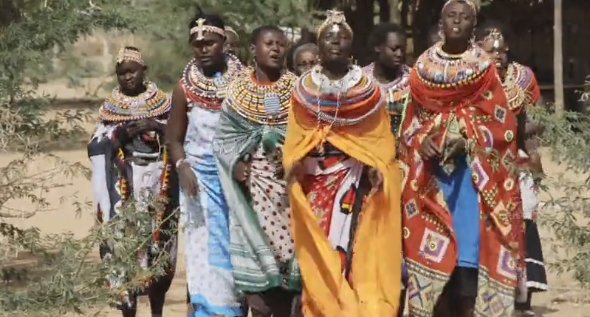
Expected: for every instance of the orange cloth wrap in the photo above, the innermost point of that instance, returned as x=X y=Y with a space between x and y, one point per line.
x=377 y=250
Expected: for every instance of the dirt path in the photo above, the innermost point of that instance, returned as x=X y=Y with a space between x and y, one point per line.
x=555 y=303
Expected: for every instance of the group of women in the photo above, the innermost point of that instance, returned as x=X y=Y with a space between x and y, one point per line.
x=334 y=190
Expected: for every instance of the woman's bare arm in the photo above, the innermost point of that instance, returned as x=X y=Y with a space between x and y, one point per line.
x=177 y=124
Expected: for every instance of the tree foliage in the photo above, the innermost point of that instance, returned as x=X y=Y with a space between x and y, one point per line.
x=58 y=274
x=167 y=33
x=567 y=137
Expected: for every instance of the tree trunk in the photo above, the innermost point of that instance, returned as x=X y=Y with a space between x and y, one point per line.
x=558 y=57
x=8 y=12
x=384 y=11
x=394 y=12
x=361 y=21
x=426 y=14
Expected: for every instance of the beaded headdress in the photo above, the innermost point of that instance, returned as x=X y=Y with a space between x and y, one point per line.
x=229 y=29
x=131 y=55
x=335 y=20
x=473 y=4
x=201 y=28
x=496 y=36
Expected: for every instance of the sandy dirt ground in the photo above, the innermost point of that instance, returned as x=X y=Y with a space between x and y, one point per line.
x=562 y=299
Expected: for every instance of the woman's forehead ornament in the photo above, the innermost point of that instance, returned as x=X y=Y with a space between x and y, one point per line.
x=473 y=4
x=129 y=55
x=336 y=21
x=336 y=17
x=201 y=28
x=200 y=24
x=496 y=36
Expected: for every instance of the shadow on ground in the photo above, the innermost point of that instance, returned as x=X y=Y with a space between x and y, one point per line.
x=543 y=310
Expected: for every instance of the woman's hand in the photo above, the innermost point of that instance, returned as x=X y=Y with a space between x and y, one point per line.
x=280 y=172
x=137 y=127
x=297 y=172
x=242 y=169
x=455 y=146
x=187 y=179
x=429 y=148
x=532 y=144
x=534 y=216
x=535 y=163
x=376 y=180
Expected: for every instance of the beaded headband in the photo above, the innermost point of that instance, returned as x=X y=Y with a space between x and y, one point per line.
x=229 y=29
x=474 y=6
x=335 y=20
x=201 y=28
x=130 y=55
x=496 y=36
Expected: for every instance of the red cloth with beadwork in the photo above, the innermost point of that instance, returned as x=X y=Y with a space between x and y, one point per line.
x=430 y=247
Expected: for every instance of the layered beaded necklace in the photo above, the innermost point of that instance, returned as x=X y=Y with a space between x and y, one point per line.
x=441 y=70
x=396 y=94
x=328 y=99
x=209 y=92
x=119 y=107
x=260 y=102
x=343 y=102
x=396 y=89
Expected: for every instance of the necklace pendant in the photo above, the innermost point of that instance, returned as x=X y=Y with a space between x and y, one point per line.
x=219 y=81
x=272 y=103
x=320 y=148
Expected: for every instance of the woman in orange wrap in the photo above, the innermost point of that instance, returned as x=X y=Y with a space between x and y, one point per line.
x=344 y=185
x=461 y=200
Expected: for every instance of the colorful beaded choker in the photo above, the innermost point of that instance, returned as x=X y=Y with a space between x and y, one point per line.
x=150 y=104
x=395 y=90
x=516 y=85
x=259 y=102
x=209 y=92
x=439 y=69
x=338 y=102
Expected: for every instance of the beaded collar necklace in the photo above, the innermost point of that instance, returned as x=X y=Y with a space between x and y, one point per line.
x=518 y=77
x=151 y=103
x=399 y=83
x=326 y=98
x=262 y=103
x=395 y=90
x=441 y=70
x=209 y=92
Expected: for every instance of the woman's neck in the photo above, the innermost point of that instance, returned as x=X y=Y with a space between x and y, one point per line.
x=267 y=75
x=335 y=71
x=214 y=69
x=136 y=92
x=503 y=73
x=385 y=74
x=455 y=47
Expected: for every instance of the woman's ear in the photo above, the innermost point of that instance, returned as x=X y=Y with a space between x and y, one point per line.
x=252 y=49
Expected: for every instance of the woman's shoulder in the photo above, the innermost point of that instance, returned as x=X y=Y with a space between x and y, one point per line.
x=524 y=77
